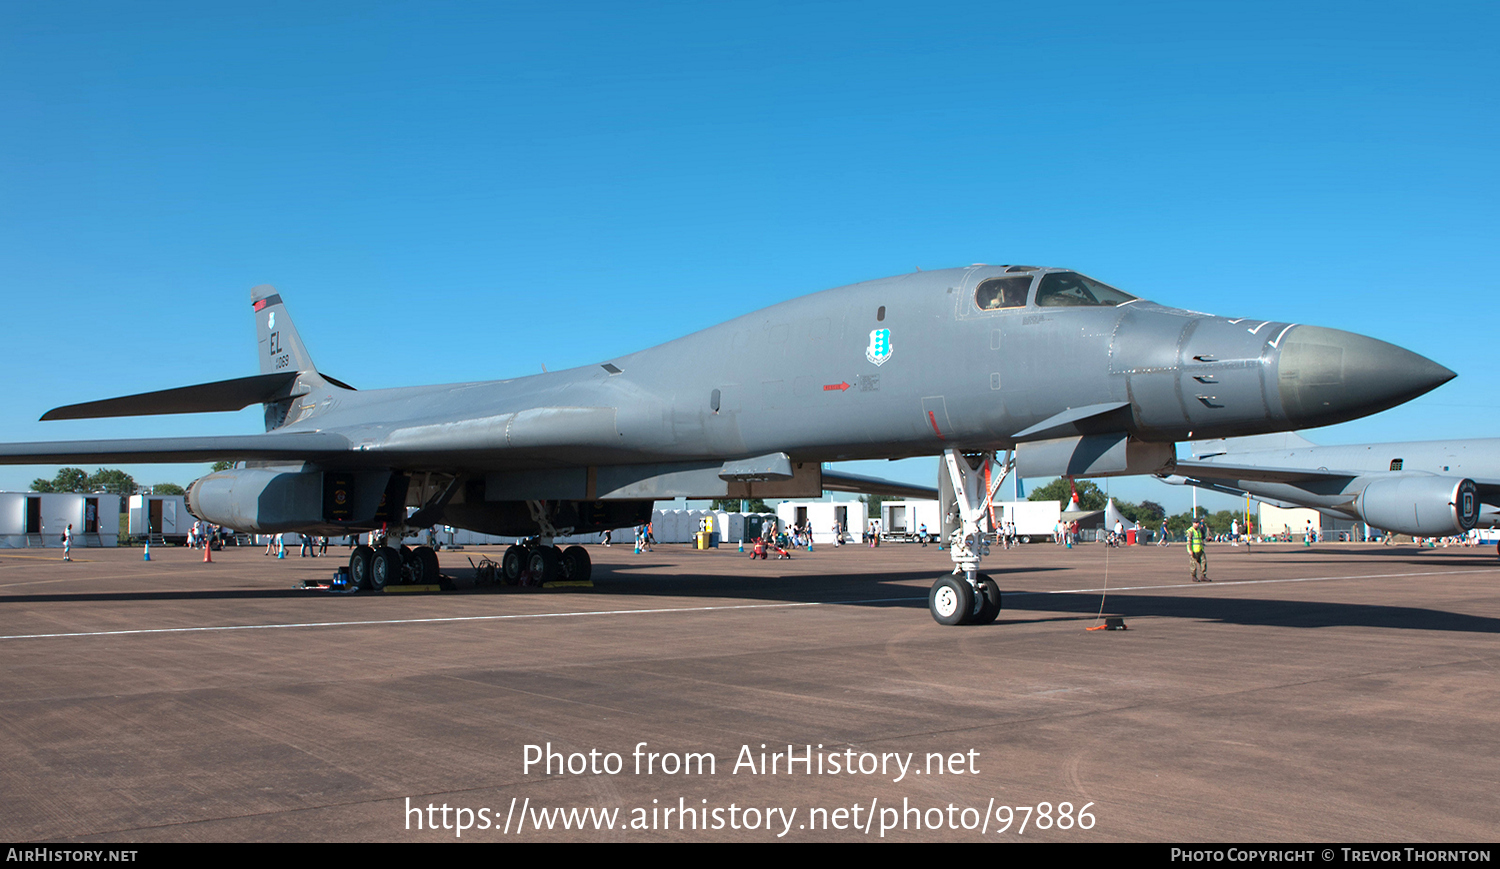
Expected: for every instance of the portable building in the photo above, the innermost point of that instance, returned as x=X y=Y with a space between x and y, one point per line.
x=1032 y=518
x=903 y=520
x=38 y=519
x=163 y=518
x=822 y=515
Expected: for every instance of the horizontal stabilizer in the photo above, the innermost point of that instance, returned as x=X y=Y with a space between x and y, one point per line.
x=288 y=446
x=837 y=482
x=225 y=395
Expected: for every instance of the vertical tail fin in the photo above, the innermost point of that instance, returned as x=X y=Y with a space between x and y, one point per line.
x=281 y=350
x=280 y=346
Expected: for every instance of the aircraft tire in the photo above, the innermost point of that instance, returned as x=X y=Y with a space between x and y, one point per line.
x=512 y=565
x=544 y=565
x=431 y=570
x=416 y=566
x=951 y=601
x=576 y=564
x=359 y=566
x=988 y=600
x=385 y=568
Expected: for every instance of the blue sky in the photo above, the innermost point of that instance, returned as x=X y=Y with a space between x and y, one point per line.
x=462 y=191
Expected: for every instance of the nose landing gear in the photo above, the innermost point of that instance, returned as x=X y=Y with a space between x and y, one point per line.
x=968 y=597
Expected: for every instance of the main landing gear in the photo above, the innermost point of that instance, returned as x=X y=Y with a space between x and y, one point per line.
x=377 y=567
x=968 y=597
x=535 y=562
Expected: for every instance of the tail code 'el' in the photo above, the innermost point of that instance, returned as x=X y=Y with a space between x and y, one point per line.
x=282 y=352
x=279 y=345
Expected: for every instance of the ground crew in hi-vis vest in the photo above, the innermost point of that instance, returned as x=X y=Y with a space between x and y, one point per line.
x=1196 y=551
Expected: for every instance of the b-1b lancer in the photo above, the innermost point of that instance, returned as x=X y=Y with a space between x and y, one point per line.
x=1068 y=375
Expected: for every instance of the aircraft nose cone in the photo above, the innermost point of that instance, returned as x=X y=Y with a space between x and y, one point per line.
x=1327 y=376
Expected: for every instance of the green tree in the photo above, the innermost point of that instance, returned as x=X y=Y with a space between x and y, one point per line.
x=1090 y=496
x=67 y=480
x=872 y=504
x=115 y=482
x=1179 y=523
x=222 y=466
x=1219 y=521
x=167 y=489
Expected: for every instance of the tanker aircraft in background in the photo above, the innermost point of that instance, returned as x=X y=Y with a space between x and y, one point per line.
x=1069 y=376
x=1421 y=488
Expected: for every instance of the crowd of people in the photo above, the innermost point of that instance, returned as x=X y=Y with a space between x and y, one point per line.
x=201 y=534
x=309 y=545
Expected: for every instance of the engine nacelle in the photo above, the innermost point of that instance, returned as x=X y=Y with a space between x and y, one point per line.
x=1420 y=506
x=272 y=500
x=258 y=499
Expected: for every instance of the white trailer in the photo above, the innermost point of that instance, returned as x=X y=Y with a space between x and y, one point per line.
x=821 y=515
x=163 y=518
x=38 y=519
x=1033 y=518
x=902 y=521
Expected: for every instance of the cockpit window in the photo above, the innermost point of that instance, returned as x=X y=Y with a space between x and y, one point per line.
x=1072 y=290
x=997 y=293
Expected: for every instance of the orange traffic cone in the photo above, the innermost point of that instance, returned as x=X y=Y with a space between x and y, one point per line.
x=207 y=553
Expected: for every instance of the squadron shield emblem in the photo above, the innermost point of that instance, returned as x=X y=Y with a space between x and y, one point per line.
x=880 y=346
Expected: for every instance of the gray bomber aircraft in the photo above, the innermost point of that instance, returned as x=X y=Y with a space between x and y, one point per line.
x=1421 y=488
x=1068 y=375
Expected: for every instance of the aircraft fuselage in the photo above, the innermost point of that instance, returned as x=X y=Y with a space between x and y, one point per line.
x=903 y=366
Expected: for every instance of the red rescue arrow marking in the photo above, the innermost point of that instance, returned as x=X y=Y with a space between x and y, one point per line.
x=829 y=387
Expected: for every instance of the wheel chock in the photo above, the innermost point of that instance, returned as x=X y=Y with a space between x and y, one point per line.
x=1111 y=623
